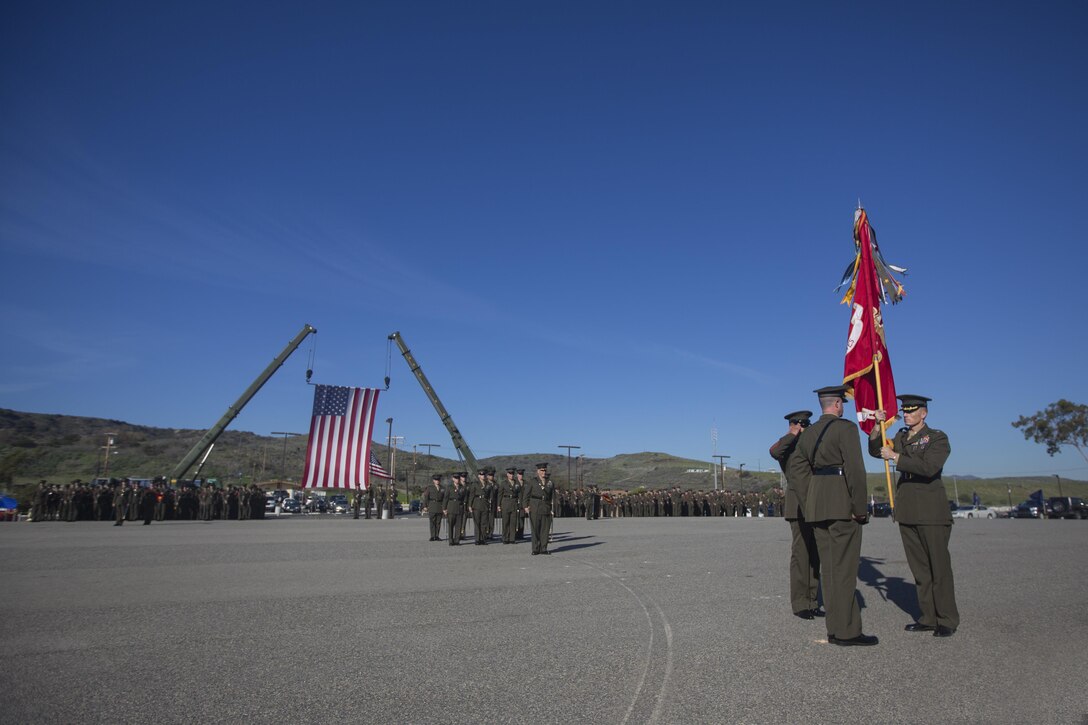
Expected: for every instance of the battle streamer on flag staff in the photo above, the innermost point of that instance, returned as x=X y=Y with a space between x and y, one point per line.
x=338 y=454
x=867 y=369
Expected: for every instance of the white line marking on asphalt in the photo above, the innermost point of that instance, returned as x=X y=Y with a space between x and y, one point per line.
x=659 y=698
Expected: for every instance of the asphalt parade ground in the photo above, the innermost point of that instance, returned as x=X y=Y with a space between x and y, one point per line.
x=322 y=619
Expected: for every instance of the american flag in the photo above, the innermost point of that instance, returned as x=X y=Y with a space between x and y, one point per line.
x=376 y=468
x=338 y=454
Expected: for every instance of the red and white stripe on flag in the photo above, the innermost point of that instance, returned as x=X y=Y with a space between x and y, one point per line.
x=866 y=338
x=338 y=453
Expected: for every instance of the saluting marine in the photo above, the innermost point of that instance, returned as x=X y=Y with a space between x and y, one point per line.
x=804 y=559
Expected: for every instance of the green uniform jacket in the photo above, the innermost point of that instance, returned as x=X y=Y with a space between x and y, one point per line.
x=537 y=497
x=480 y=495
x=920 y=496
x=453 y=500
x=509 y=496
x=796 y=491
x=432 y=499
x=830 y=497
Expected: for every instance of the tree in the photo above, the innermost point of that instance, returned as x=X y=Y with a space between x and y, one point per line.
x=1061 y=424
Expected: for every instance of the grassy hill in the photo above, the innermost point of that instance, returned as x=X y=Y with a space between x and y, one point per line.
x=62 y=448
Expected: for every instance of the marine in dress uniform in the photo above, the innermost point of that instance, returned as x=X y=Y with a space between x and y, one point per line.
x=537 y=501
x=921 y=508
x=828 y=462
x=431 y=505
x=453 y=507
x=804 y=559
x=509 y=506
x=480 y=497
x=520 y=533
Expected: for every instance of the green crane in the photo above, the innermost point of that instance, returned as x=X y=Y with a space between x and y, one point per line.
x=209 y=438
x=455 y=435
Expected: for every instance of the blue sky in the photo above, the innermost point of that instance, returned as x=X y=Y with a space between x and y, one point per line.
x=616 y=225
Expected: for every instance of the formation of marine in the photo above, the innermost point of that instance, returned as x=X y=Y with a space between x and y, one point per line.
x=125 y=500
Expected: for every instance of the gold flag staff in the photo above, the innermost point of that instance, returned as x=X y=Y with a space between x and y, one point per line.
x=883 y=431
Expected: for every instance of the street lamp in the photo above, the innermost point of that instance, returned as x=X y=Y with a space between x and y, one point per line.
x=740 y=470
x=568 y=462
x=1059 y=484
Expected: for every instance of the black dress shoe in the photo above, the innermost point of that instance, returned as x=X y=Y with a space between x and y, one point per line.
x=919 y=627
x=805 y=614
x=862 y=640
x=535 y=553
x=943 y=631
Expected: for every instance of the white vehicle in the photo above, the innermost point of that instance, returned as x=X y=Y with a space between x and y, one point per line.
x=974 y=512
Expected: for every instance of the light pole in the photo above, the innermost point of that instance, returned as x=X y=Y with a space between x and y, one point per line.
x=568 y=462
x=1059 y=485
x=740 y=470
x=393 y=467
x=721 y=463
x=283 y=462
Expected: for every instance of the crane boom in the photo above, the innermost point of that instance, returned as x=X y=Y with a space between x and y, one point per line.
x=455 y=435
x=209 y=437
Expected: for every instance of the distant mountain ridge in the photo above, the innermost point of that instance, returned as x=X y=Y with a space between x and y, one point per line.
x=62 y=448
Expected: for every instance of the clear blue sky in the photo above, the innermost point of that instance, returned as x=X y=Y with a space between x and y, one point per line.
x=615 y=225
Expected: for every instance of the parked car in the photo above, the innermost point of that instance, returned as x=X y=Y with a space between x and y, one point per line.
x=415 y=505
x=317 y=505
x=1067 y=507
x=1027 y=510
x=882 y=510
x=291 y=506
x=974 y=512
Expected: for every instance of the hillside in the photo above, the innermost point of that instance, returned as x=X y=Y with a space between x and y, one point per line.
x=62 y=448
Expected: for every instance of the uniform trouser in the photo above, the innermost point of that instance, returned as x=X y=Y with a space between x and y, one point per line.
x=454 y=522
x=520 y=533
x=462 y=525
x=927 y=554
x=804 y=567
x=479 y=526
x=509 y=525
x=542 y=527
x=839 y=546
x=436 y=526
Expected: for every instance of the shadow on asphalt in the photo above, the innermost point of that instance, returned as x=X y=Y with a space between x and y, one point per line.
x=564 y=537
x=894 y=589
x=572 y=547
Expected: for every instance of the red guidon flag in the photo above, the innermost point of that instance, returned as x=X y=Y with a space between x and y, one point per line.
x=338 y=454
x=871 y=282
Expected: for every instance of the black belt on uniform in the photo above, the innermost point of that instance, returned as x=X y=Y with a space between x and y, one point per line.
x=827 y=471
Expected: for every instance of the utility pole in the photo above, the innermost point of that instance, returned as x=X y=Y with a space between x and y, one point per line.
x=1059 y=485
x=721 y=463
x=568 y=463
x=714 y=454
x=109 y=444
x=283 y=462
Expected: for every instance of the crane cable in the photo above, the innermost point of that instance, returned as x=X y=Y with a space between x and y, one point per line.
x=388 y=359
x=310 y=358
